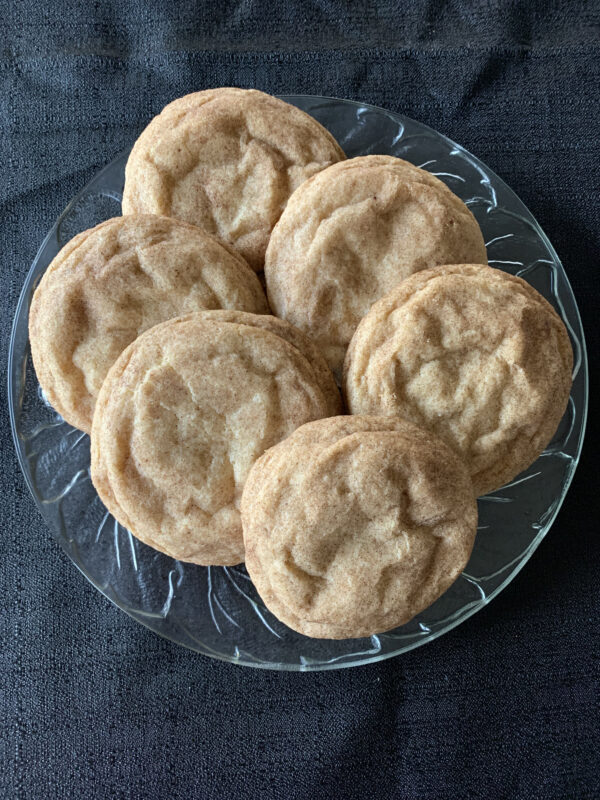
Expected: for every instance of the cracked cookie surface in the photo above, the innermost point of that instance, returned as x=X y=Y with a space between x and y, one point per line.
x=226 y=160
x=180 y=419
x=110 y=283
x=353 y=525
x=296 y=338
x=471 y=353
x=351 y=233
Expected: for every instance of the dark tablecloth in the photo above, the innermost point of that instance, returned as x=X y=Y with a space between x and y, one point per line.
x=92 y=705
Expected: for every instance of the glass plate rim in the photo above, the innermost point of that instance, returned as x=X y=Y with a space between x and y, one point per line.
x=300 y=667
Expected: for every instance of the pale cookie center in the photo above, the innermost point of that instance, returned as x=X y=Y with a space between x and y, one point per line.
x=235 y=182
x=461 y=367
x=360 y=533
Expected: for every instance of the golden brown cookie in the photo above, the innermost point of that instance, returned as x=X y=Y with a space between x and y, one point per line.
x=180 y=419
x=296 y=338
x=226 y=160
x=353 y=232
x=353 y=525
x=112 y=282
x=472 y=353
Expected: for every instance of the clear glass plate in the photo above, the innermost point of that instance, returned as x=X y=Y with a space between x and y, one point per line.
x=216 y=610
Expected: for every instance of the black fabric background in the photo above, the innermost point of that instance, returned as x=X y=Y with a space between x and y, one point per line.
x=92 y=705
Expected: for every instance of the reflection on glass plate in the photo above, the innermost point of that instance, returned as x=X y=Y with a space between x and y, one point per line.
x=216 y=610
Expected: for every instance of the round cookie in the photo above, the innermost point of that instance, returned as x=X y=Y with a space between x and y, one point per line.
x=472 y=353
x=112 y=282
x=296 y=338
x=180 y=419
x=353 y=525
x=226 y=160
x=353 y=232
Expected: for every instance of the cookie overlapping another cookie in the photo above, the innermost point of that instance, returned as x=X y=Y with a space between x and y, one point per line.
x=226 y=160
x=471 y=353
x=353 y=525
x=182 y=416
x=353 y=232
x=111 y=283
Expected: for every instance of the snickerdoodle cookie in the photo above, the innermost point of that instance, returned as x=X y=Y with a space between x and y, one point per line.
x=296 y=338
x=226 y=160
x=112 y=282
x=472 y=353
x=181 y=417
x=351 y=233
x=355 y=524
